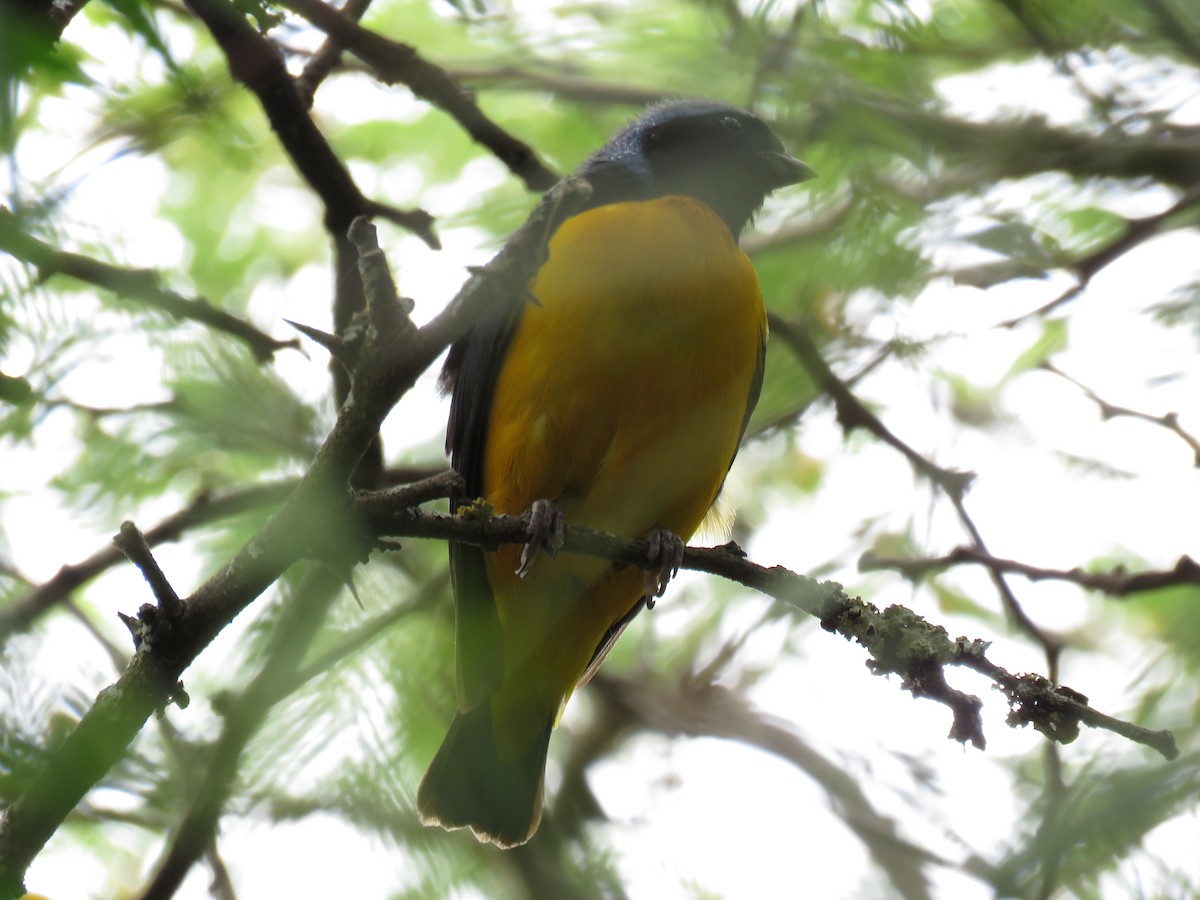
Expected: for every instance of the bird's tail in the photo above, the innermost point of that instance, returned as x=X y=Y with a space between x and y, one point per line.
x=470 y=784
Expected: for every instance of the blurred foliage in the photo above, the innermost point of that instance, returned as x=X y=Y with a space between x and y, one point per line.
x=941 y=170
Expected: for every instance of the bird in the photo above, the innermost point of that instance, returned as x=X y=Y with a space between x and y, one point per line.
x=614 y=394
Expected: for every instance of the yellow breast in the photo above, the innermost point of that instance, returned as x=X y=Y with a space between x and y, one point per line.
x=622 y=394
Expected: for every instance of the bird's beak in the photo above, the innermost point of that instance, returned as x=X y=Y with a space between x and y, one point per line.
x=782 y=169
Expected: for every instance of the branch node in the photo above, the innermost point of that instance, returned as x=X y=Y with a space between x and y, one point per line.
x=178 y=696
x=734 y=549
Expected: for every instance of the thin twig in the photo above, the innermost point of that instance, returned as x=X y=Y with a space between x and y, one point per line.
x=1052 y=645
x=851 y=413
x=1116 y=582
x=328 y=56
x=202 y=510
x=141 y=285
x=255 y=62
x=1137 y=231
x=559 y=83
x=397 y=63
x=1169 y=421
x=1056 y=711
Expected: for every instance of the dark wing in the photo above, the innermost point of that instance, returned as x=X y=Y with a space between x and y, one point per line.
x=470 y=373
x=756 y=383
x=474 y=361
x=471 y=370
x=609 y=640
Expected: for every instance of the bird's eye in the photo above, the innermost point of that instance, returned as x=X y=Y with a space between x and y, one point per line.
x=732 y=125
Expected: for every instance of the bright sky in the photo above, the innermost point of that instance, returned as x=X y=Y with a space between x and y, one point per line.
x=710 y=815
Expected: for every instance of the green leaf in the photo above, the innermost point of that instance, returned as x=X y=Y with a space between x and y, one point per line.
x=1052 y=340
x=1017 y=240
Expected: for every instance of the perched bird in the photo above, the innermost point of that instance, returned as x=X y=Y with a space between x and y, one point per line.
x=615 y=397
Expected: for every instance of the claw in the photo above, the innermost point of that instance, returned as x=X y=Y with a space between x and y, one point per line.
x=546 y=531
x=662 y=563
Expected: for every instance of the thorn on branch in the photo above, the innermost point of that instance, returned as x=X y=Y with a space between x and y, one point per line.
x=335 y=345
x=138 y=629
x=345 y=576
x=179 y=697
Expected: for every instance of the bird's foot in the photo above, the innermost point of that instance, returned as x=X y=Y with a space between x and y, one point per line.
x=662 y=563
x=546 y=531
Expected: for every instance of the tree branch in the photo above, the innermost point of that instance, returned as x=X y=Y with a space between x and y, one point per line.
x=899 y=641
x=33 y=28
x=280 y=676
x=142 y=285
x=130 y=541
x=852 y=414
x=397 y=63
x=291 y=637
x=1057 y=711
x=1137 y=232
x=1169 y=421
x=256 y=63
x=201 y=511
x=570 y=87
x=1116 y=583
x=328 y=55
